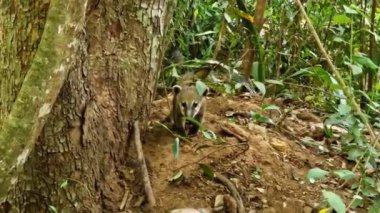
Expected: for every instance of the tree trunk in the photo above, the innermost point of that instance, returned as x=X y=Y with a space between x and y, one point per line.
x=80 y=162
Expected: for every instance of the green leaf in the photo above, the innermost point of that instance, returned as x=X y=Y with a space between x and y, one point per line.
x=227 y=88
x=175 y=148
x=177 y=176
x=255 y=70
x=261 y=118
x=205 y=33
x=349 y=10
x=195 y=122
x=341 y=19
x=358 y=202
x=316 y=173
x=375 y=208
x=227 y=17
x=196 y=13
x=201 y=87
x=300 y=73
x=339 y=40
x=64 y=184
x=345 y=174
x=356 y=69
x=370 y=181
x=175 y=73
x=53 y=209
x=271 y=81
x=344 y=109
x=323 y=74
x=238 y=86
x=377 y=87
x=355 y=153
x=364 y=61
x=260 y=86
x=335 y=201
x=209 y=134
x=207 y=171
x=270 y=107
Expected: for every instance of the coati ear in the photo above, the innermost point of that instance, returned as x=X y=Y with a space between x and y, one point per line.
x=177 y=89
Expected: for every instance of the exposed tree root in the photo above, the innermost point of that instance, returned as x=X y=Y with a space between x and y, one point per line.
x=225 y=181
x=144 y=170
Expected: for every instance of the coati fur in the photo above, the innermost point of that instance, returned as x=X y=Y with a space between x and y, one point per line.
x=187 y=102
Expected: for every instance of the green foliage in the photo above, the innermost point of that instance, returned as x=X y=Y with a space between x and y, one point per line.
x=177 y=177
x=291 y=62
x=335 y=201
x=261 y=118
x=256 y=174
x=175 y=148
x=53 y=209
x=315 y=174
x=201 y=87
x=209 y=134
x=64 y=184
x=207 y=171
x=345 y=174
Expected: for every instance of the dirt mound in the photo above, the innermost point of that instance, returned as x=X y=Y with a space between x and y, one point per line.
x=267 y=163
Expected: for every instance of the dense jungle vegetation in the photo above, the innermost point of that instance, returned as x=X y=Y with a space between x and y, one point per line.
x=328 y=59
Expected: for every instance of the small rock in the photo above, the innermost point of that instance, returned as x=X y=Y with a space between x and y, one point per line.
x=219 y=201
x=264 y=200
x=279 y=145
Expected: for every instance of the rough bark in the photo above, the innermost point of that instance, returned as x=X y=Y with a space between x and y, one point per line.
x=40 y=88
x=85 y=139
x=19 y=38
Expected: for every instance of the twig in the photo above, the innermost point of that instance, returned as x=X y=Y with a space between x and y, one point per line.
x=358 y=190
x=346 y=90
x=171 y=132
x=225 y=181
x=144 y=170
x=124 y=200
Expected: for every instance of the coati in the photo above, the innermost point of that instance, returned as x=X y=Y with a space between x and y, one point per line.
x=187 y=102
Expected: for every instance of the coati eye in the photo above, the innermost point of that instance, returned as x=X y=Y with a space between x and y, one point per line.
x=183 y=104
x=195 y=104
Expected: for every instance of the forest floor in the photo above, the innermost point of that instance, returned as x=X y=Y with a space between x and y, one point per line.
x=267 y=163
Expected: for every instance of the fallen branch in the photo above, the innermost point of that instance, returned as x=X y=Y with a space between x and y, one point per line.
x=144 y=170
x=236 y=131
x=124 y=200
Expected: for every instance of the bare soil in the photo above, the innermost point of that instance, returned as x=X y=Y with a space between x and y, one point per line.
x=268 y=164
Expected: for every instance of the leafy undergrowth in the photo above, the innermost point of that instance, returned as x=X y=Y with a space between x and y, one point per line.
x=265 y=147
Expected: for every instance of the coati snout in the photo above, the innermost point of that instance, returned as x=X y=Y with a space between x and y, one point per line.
x=187 y=102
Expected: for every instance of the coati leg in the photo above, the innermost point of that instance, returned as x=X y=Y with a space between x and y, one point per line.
x=177 y=119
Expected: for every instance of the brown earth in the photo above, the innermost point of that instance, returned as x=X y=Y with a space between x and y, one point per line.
x=267 y=164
